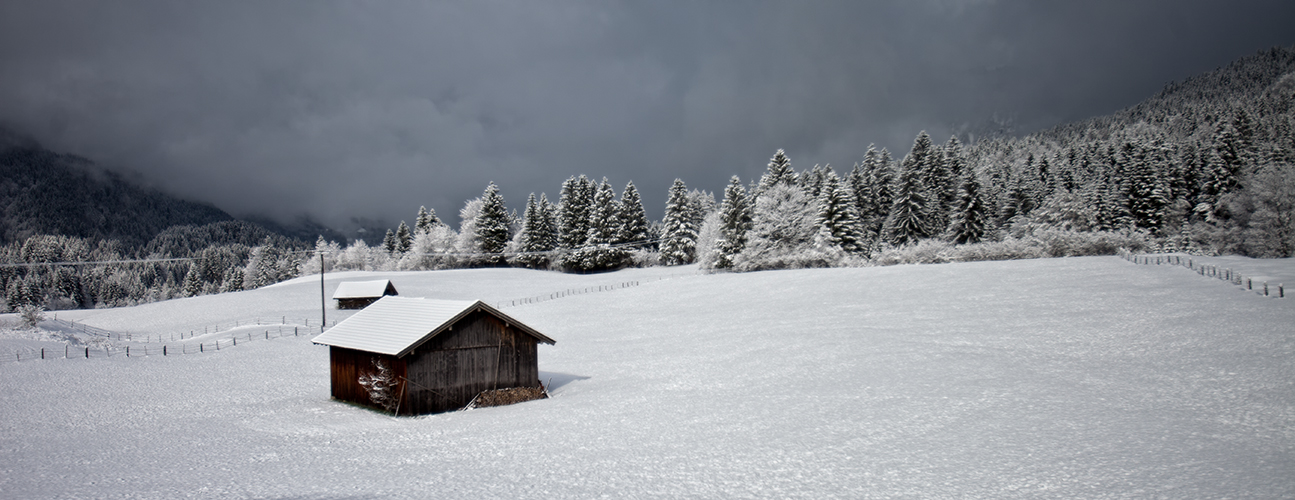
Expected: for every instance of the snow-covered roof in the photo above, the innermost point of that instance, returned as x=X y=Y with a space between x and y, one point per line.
x=362 y=289
x=397 y=325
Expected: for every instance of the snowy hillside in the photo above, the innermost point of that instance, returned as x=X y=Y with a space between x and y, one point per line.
x=1082 y=377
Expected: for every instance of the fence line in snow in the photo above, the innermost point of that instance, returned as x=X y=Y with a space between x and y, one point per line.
x=172 y=337
x=186 y=348
x=579 y=291
x=1209 y=271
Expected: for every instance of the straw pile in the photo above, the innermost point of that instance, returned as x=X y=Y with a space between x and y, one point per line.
x=511 y=395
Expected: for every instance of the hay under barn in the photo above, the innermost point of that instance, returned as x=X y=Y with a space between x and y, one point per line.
x=511 y=395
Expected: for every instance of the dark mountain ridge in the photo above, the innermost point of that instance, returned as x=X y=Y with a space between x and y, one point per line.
x=43 y=192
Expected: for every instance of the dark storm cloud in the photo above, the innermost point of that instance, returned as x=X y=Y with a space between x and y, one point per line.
x=372 y=109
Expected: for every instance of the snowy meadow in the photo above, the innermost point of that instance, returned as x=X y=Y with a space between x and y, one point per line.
x=1087 y=377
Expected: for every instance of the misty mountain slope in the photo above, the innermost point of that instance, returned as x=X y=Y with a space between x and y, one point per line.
x=1069 y=378
x=1262 y=84
x=43 y=192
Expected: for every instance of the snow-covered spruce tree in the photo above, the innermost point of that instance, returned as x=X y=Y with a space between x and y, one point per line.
x=192 y=286
x=812 y=180
x=782 y=232
x=604 y=218
x=492 y=226
x=679 y=234
x=389 y=242
x=1144 y=195
x=233 y=281
x=634 y=223
x=573 y=212
x=970 y=216
x=907 y=222
x=604 y=228
x=872 y=182
x=426 y=219
x=734 y=222
x=779 y=171
x=404 y=238
x=263 y=265
x=837 y=218
x=548 y=230
x=533 y=244
x=936 y=185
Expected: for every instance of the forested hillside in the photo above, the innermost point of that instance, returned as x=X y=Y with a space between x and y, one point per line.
x=57 y=208
x=43 y=192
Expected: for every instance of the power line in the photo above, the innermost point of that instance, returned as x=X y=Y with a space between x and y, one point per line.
x=310 y=252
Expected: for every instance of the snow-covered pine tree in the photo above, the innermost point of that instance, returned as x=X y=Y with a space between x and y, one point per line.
x=573 y=212
x=735 y=221
x=936 y=183
x=264 y=263
x=548 y=231
x=872 y=182
x=779 y=171
x=1144 y=192
x=634 y=223
x=492 y=226
x=192 y=286
x=533 y=237
x=233 y=281
x=389 y=242
x=970 y=216
x=404 y=239
x=604 y=218
x=812 y=181
x=908 y=220
x=425 y=221
x=838 y=218
x=604 y=227
x=679 y=235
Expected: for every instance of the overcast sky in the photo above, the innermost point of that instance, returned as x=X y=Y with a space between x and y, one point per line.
x=371 y=109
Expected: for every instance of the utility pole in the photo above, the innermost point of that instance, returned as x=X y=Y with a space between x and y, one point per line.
x=323 y=307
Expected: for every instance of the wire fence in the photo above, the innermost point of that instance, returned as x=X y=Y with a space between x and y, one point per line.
x=176 y=336
x=1209 y=271
x=165 y=349
x=579 y=291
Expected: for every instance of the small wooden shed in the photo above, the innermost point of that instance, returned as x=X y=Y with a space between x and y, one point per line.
x=358 y=294
x=439 y=353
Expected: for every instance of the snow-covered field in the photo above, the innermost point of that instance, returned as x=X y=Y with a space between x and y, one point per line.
x=1082 y=377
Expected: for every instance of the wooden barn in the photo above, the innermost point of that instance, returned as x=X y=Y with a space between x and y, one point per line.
x=439 y=353
x=358 y=294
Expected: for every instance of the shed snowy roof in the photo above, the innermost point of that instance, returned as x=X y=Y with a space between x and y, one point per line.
x=396 y=325
x=363 y=289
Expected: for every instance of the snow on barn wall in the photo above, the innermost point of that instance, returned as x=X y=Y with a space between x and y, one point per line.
x=441 y=353
x=358 y=294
